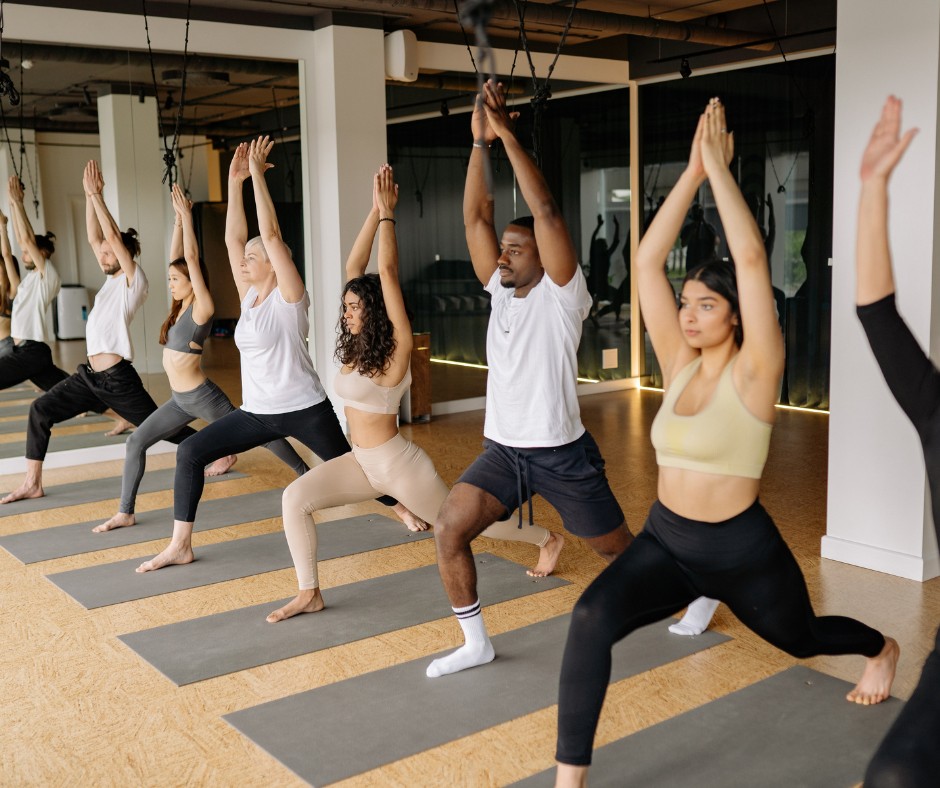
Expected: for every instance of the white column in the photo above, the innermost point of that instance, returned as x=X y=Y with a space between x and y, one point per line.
x=879 y=514
x=132 y=165
x=342 y=88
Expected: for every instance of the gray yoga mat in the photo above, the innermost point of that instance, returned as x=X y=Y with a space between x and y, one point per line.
x=84 y=440
x=242 y=639
x=352 y=726
x=794 y=728
x=15 y=409
x=57 y=542
x=19 y=425
x=111 y=584
x=74 y=493
x=11 y=395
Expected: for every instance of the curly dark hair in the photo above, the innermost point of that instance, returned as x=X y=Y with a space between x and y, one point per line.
x=370 y=351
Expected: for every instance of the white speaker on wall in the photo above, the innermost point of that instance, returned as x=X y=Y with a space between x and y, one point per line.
x=401 y=56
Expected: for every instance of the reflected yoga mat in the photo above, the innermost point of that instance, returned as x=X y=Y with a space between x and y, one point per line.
x=74 y=493
x=63 y=540
x=111 y=584
x=352 y=726
x=242 y=639
x=19 y=425
x=85 y=440
x=794 y=728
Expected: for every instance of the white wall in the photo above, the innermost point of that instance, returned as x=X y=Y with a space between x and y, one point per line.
x=877 y=514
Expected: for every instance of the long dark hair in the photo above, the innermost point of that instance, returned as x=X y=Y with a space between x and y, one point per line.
x=180 y=265
x=370 y=351
x=719 y=276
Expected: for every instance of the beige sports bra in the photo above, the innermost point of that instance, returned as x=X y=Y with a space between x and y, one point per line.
x=724 y=437
x=364 y=394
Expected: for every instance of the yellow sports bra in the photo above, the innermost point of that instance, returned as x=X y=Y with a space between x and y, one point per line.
x=724 y=437
x=365 y=394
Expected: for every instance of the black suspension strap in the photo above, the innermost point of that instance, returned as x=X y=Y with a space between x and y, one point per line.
x=169 y=151
x=289 y=179
x=475 y=14
x=541 y=91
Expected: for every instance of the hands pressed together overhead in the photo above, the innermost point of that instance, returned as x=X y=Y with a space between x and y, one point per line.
x=384 y=191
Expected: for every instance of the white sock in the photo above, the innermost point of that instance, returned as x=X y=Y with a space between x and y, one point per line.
x=477 y=648
x=696 y=618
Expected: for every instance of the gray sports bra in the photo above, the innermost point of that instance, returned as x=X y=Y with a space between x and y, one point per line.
x=184 y=331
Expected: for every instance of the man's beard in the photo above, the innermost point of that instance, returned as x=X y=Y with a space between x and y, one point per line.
x=113 y=269
x=29 y=265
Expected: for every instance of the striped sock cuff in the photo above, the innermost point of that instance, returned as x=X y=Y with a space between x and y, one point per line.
x=469 y=611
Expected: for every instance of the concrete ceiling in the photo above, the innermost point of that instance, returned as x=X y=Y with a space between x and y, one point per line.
x=61 y=86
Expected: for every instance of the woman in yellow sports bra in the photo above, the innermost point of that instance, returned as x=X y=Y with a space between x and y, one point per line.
x=708 y=534
x=374 y=349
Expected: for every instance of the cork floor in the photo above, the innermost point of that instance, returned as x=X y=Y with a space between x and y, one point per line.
x=79 y=708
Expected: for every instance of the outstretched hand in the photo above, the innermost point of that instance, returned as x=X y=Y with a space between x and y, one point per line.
x=238 y=169
x=695 y=167
x=717 y=142
x=886 y=145
x=258 y=152
x=181 y=203
x=15 y=188
x=92 y=179
x=385 y=191
x=499 y=120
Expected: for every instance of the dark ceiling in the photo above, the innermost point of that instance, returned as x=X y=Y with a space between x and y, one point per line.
x=235 y=98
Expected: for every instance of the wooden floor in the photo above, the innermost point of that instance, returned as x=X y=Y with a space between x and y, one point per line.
x=79 y=708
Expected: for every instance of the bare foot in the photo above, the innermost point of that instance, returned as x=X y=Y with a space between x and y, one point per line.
x=26 y=490
x=409 y=518
x=120 y=427
x=548 y=556
x=120 y=520
x=174 y=554
x=875 y=684
x=221 y=466
x=307 y=601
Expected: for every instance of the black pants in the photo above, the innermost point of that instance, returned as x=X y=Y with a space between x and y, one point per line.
x=30 y=361
x=315 y=427
x=743 y=561
x=118 y=387
x=909 y=757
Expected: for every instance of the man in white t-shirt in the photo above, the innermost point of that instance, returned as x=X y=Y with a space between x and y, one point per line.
x=108 y=379
x=534 y=439
x=30 y=323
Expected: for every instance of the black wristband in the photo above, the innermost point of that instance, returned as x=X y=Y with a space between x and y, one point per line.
x=387 y=219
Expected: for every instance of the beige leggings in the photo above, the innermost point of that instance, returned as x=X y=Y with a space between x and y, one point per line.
x=398 y=468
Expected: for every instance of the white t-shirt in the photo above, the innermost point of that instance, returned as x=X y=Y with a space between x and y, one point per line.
x=532 y=353
x=277 y=371
x=31 y=317
x=108 y=328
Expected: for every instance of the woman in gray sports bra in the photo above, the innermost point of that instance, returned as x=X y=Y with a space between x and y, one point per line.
x=194 y=396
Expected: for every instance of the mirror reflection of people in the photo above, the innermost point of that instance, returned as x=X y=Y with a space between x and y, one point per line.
x=599 y=260
x=108 y=380
x=699 y=238
x=707 y=534
x=908 y=756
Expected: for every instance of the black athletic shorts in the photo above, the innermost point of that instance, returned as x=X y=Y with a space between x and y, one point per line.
x=570 y=477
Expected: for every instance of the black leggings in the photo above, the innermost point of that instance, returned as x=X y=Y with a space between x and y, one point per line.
x=315 y=427
x=30 y=360
x=909 y=757
x=743 y=561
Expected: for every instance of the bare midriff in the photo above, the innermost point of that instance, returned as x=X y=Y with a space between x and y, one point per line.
x=707 y=497
x=368 y=430
x=183 y=370
x=4 y=327
x=102 y=361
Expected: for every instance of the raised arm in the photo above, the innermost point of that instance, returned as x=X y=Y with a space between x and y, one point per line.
x=21 y=226
x=556 y=250
x=9 y=277
x=236 y=225
x=358 y=259
x=288 y=277
x=108 y=229
x=203 y=305
x=616 y=242
x=385 y=197
x=478 y=219
x=762 y=355
x=873 y=255
x=176 y=242
x=657 y=298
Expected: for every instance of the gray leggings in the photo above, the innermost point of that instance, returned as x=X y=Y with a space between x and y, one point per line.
x=207 y=402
